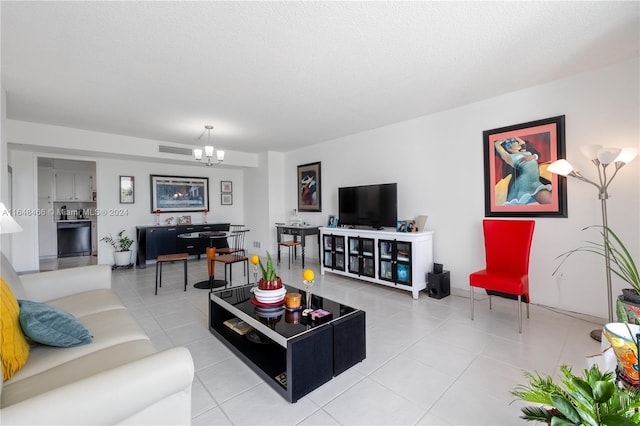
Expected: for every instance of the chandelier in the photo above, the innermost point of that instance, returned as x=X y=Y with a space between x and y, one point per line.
x=208 y=149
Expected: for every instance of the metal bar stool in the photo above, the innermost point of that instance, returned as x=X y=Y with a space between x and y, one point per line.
x=293 y=249
x=170 y=258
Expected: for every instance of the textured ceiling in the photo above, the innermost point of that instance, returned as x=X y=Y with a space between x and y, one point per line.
x=280 y=75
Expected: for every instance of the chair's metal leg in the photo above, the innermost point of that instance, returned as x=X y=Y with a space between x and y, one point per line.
x=225 y=275
x=527 y=310
x=471 y=302
x=185 y=275
x=156 y=278
x=520 y=314
x=490 y=307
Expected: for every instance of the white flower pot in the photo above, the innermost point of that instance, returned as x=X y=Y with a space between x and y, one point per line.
x=122 y=258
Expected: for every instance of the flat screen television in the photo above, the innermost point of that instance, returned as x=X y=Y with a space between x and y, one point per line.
x=368 y=205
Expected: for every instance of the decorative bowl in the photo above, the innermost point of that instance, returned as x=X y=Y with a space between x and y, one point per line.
x=269 y=296
x=625 y=349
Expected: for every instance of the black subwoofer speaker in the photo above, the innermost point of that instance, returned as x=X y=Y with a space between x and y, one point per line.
x=438 y=285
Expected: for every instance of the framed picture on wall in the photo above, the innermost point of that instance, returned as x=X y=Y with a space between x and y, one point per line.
x=226 y=199
x=226 y=186
x=309 y=188
x=516 y=180
x=179 y=194
x=127 y=193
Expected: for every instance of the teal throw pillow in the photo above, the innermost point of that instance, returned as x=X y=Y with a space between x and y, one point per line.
x=48 y=325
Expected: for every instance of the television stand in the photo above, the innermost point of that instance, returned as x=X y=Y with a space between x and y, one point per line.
x=395 y=259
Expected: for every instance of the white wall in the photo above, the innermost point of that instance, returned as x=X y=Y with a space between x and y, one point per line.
x=265 y=201
x=437 y=161
x=127 y=216
x=113 y=216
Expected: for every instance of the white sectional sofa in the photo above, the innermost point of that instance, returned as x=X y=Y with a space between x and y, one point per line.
x=118 y=378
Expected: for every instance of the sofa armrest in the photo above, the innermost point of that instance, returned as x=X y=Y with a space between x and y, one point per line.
x=113 y=396
x=45 y=286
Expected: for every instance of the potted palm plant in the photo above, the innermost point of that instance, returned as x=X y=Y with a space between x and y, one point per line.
x=593 y=399
x=622 y=265
x=269 y=280
x=121 y=245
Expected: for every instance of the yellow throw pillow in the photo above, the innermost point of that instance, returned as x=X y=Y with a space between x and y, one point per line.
x=14 y=348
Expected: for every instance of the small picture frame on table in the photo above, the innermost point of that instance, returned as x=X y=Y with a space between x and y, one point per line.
x=332 y=221
x=401 y=226
x=226 y=199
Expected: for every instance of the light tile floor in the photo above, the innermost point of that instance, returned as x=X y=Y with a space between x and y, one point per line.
x=427 y=362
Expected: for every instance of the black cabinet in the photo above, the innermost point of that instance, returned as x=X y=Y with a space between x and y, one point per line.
x=395 y=261
x=361 y=258
x=333 y=252
x=161 y=241
x=154 y=241
x=192 y=246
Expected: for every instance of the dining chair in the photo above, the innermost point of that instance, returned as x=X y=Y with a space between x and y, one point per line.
x=290 y=244
x=236 y=239
x=233 y=247
x=293 y=249
x=507 y=245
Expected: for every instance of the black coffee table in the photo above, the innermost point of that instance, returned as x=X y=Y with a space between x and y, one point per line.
x=293 y=353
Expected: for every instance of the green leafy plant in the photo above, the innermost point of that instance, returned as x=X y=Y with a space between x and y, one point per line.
x=593 y=399
x=622 y=263
x=120 y=243
x=268 y=273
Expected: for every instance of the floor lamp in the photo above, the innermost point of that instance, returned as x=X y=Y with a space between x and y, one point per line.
x=601 y=157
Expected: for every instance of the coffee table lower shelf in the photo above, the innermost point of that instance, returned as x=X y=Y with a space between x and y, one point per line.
x=308 y=360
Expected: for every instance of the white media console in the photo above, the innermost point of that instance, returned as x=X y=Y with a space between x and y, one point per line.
x=395 y=259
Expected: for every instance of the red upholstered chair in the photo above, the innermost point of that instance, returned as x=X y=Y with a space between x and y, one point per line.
x=507 y=244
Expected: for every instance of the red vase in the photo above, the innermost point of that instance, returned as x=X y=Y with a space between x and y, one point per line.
x=270 y=284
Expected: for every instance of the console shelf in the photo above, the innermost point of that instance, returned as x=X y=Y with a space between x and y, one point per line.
x=399 y=259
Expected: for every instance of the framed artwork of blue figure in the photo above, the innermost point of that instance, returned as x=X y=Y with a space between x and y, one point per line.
x=517 y=182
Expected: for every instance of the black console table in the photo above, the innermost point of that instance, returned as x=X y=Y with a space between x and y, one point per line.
x=154 y=241
x=292 y=353
x=297 y=231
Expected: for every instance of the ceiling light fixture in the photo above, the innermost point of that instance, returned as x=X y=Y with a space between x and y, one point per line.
x=208 y=149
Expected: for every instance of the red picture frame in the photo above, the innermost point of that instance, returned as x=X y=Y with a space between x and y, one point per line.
x=517 y=183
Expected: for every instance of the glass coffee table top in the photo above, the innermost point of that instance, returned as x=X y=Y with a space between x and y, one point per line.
x=284 y=322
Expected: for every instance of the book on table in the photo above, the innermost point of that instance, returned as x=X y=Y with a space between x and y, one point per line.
x=238 y=325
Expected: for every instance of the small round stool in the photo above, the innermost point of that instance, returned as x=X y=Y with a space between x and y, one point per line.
x=170 y=258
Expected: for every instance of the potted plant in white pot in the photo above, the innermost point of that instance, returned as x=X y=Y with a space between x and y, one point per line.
x=121 y=244
x=622 y=265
